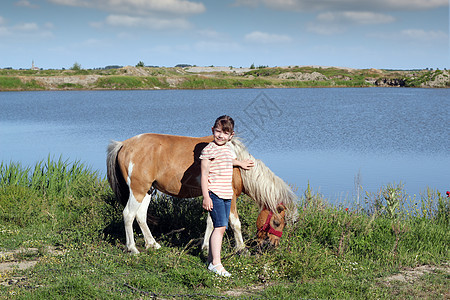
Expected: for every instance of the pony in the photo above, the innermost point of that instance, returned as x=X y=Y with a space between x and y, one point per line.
x=170 y=164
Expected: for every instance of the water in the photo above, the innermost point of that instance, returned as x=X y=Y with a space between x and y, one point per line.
x=327 y=137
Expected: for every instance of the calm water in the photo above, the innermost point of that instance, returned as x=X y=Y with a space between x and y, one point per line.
x=325 y=136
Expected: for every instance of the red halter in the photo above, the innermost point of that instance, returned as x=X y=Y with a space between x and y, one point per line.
x=268 y=228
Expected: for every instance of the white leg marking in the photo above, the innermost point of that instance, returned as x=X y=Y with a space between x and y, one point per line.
x=130 y=170
x=235 y=224
x=141 y=218
x=129 y=214
x=209 y=229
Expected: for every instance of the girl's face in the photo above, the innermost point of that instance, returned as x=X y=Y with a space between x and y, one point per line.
x=221 y=137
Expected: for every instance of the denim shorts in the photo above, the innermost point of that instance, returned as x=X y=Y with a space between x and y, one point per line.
x=221 y=210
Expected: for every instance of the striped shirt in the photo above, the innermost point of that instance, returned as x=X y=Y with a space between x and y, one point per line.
x=221 y=169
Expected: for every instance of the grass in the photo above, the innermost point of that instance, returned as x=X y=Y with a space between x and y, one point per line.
x=69 y=214
x=14 y=83
x=199 y=82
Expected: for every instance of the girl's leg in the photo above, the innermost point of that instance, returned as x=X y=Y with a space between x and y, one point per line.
x=215 y=245
x=219 y=215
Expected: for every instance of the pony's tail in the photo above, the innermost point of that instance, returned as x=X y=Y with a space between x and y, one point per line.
x=114 y=174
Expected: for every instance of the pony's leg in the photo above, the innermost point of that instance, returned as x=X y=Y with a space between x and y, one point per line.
x=141 y=218
x=129 y=214
x=235 y=224
x=209 y=229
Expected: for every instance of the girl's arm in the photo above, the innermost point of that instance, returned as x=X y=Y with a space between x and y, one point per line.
x=245 y=164
x=207 y=202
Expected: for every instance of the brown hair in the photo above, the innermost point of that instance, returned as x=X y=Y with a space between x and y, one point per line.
x=225 y=122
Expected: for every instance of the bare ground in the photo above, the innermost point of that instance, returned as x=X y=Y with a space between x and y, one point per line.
x=17 y=260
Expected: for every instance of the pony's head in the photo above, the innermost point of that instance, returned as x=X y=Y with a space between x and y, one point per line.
x=268 y=190
x=270 y=226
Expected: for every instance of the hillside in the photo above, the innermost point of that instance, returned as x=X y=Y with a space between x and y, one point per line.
x=218 y=77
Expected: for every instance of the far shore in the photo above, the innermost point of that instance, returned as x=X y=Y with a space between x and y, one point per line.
x=194 y=77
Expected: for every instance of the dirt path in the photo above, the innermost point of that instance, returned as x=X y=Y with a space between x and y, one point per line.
x=17 y=260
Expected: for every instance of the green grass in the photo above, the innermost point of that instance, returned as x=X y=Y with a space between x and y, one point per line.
x=330 y=253
x=14 y=83
x=199 y=82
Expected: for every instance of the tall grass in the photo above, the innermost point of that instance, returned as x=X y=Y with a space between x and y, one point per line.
x=55 y=195
x=50 y=177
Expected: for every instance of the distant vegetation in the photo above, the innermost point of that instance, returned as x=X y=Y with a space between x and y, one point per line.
x=180 y=77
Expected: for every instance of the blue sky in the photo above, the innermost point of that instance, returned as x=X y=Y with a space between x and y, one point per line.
x=391 y=34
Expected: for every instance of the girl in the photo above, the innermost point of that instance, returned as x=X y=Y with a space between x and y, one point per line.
x=217 y=161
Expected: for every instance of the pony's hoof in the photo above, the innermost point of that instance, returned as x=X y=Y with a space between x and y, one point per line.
x=155 y=246
x=133 y=250
x=243 y=252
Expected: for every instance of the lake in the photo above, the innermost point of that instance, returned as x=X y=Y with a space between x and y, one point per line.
x=329 y=137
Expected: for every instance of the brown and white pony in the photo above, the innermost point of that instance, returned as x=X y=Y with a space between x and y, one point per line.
x=171 y=164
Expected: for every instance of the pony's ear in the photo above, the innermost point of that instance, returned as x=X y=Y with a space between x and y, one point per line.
x=280 y=208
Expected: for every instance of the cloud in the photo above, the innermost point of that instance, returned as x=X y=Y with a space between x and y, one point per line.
x=355 y=17
x=26 y=3
x=414 y=35
x=364 y=5
x=4 y=31
x=25 y=30
x=147 y=22
x=420 y=34
x=139 y=7
x=27 y=27
x=49 y=25
x=328 y=23
x=146 y=14
x=209 y=33
x=433 y=38
x=267 y=38
x=324 y=29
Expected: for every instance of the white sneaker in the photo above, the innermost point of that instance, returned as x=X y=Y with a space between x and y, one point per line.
x=221 y=271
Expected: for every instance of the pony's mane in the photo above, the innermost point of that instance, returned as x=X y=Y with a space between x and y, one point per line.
x=263 y=186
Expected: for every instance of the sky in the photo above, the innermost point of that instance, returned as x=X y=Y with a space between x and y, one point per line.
x=383 y=34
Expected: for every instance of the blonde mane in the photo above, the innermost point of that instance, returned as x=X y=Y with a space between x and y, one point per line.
x=263 y=186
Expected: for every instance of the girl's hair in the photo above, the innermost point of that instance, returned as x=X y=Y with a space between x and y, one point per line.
x=225 y=122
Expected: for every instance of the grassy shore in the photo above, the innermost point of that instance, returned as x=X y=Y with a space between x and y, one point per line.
x=63 y=217
x=209 y=78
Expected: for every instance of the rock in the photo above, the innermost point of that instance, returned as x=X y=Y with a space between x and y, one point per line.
x=341 y=77
x=314 y=76
x=217 y=69
x=370 y=80
x=440 y=79
x=53 y=82
x=391 y=82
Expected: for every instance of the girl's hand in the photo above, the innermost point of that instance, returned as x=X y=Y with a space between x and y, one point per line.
x=246 y=164
x=207 y=203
